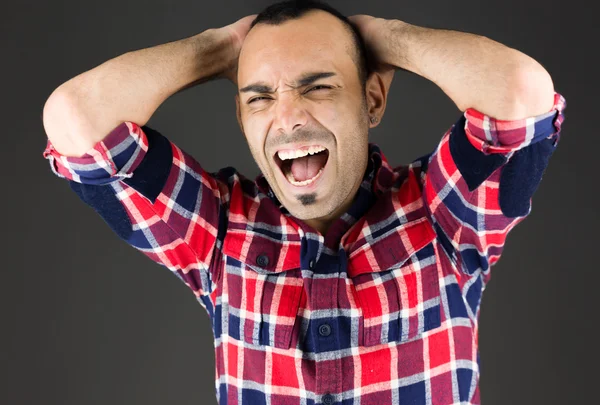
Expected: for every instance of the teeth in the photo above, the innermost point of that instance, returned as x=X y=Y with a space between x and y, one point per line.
x=291 y=179
x=294 y=154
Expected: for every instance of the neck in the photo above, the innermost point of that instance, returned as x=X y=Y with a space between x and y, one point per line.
x=323 y=224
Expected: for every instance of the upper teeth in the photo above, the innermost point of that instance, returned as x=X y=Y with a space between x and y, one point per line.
x=294 y=154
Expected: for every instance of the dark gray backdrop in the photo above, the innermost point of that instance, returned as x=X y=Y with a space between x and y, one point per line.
x=86 y=319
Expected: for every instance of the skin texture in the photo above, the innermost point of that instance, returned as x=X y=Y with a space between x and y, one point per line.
x=337 y=118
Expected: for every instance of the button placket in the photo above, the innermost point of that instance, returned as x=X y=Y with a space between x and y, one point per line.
x=324 y=294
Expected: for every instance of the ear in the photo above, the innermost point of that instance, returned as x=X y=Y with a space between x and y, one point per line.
x=377 y=88
x=238 y=113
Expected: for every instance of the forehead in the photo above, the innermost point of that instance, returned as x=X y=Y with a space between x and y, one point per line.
x=316 y=41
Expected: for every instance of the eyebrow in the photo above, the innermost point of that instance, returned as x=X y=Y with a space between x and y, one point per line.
x=305 y=79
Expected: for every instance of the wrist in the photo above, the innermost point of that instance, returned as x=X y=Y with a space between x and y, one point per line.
x=214 y=52
x=404 y=42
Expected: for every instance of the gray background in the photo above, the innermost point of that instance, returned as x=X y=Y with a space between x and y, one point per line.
x=86 y=319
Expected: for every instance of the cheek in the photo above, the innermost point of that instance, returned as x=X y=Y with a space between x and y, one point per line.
x=329 y=114
x=329 y=118
x=255 y=133
x=349 y=127
x=340 y=114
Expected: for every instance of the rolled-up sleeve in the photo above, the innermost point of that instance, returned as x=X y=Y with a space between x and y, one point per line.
x=479 y=181
x=154 y=196
x=116 y=157
x=490 y=135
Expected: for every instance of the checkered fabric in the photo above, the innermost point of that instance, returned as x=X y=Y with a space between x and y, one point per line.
x=383 y=309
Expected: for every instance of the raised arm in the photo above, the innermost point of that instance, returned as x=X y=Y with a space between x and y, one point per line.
x=130 y=87
x=474 y=71
x=479 y=181
x=151 y=193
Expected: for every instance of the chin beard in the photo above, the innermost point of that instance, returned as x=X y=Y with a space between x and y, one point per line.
x=307 y=199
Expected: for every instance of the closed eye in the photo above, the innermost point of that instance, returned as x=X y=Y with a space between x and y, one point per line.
x=319 y=87
x=256 y=98
x=311 y=89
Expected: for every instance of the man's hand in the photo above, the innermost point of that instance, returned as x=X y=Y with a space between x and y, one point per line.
x=376 y=35
x=236 y=33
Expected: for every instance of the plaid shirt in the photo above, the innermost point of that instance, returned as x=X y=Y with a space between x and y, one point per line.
x=383 y=309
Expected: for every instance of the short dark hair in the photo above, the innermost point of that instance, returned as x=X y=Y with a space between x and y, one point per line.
x=278 y=13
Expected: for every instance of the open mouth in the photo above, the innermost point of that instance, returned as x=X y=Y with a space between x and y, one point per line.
x=302 y=167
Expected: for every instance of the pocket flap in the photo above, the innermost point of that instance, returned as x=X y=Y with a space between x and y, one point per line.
x=391 y=250
x=261 y=253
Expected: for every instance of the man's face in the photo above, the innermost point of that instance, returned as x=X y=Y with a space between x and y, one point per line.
x=326 y=118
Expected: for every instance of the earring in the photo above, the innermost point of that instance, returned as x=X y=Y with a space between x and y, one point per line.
x=373 y=120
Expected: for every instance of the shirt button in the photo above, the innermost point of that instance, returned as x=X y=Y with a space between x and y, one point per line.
x=327 y=399
x=325 y=330
x=262 y=260
x=311 y=264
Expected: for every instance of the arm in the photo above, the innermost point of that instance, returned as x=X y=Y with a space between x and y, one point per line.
x=474 y=71
x=152 y=194
x=478 y=182
x=130 y=87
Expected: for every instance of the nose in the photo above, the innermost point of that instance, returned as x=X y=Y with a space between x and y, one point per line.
x=290 y=115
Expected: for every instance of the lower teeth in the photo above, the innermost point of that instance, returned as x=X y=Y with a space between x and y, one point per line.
x=291 y=179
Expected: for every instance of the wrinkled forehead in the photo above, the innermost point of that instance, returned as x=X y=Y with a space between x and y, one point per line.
x=282 y=52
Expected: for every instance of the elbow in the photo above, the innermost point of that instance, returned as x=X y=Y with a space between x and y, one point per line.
x=62 y=122
x=56 y=107
x=533 y=91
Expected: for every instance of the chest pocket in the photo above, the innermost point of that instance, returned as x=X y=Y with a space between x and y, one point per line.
x=397 y=284
x=264 y=286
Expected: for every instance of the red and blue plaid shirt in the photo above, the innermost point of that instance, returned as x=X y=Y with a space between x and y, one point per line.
x=383 y=309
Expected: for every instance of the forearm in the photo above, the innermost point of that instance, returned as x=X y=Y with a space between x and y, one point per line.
x=474 y=71
x=130 y=87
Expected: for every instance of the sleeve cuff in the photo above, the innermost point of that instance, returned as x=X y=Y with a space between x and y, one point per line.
x=114 y=158
x=491 y=135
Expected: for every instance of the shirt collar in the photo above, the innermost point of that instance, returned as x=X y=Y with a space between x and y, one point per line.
x=386 y=223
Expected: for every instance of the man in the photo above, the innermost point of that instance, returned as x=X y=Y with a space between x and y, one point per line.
x=333 y=277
